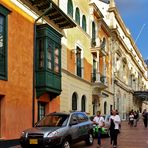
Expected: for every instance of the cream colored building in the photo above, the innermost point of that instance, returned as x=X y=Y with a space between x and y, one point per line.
x=129 y=69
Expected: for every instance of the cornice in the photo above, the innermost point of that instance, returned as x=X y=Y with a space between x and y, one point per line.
x=105 y=27
x=121 y=23
x=116 y=32
x=97 y=11
x=121 y=84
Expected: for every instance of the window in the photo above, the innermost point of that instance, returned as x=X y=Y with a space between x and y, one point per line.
x=53 y=59
x=49 y=57
x=93 y=34
x=41 y=110
x=74 y=101
x=3 y=42
x=94 y=70
x=83 y=103
x=70 y=8
x=82 y=117
x=56 y=60
x=78 y=62
x=103 y=44
x=77 y=15
x=41 y=54
x=84 y=23
x=105 y=107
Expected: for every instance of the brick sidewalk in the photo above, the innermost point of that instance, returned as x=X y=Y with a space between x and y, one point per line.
x=130 y=137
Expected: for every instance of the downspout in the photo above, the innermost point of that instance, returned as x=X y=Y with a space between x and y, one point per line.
x=34 y=65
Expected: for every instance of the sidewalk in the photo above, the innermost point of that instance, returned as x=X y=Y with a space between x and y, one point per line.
x=130 y=137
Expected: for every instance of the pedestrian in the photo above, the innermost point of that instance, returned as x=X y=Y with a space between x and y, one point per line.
x=99 y=121
x=131 y=119
x=114 y=127
x=136 y=116
x=145 y=117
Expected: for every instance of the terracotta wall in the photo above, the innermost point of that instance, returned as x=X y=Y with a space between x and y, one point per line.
x=17 y=90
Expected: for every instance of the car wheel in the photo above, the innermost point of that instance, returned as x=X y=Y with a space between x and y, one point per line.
x=66 y=144
x=90 y=139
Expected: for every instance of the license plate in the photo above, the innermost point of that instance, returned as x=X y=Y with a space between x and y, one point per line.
x=33 y=141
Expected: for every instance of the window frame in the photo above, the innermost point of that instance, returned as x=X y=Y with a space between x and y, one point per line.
x=70 y=8
x=84 y=23
x=4 y=13
x=78 y=62
x=77 y=15
x=74 y=101
x=42 y=104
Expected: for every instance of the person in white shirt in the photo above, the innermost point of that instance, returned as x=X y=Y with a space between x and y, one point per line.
x=114 y=129
x=99 y=121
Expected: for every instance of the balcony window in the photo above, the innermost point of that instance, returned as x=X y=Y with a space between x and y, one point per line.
x=49 y=57
x=93 y=35
x=48 y=61
x=41 y=54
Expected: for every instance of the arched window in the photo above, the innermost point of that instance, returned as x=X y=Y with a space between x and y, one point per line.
x=77 y=15
x=84 y=23
x=105 y=107
x=93 y=34
x=70 y=8
x=83 y=103
x=74 y=101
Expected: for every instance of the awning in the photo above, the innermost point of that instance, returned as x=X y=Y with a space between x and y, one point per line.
x=141 y=95
x=55 y=14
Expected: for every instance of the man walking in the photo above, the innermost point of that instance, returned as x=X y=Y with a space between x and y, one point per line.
x=145 y=117
x=99 y=121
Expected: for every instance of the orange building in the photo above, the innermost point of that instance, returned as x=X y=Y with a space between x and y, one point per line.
x=28 y=60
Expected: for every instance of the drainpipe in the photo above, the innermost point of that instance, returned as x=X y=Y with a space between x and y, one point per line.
x=34 y=61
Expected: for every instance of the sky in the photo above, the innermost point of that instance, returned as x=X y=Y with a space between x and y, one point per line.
x=135 y=16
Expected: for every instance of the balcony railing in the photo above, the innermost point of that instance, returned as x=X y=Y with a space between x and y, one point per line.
x=99 y=78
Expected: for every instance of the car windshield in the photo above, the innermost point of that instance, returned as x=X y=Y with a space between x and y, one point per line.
x=53 y=121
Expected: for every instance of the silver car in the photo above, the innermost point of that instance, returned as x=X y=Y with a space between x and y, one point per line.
x=59 y=129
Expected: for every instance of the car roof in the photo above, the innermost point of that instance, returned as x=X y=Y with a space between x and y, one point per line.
x=65 y=113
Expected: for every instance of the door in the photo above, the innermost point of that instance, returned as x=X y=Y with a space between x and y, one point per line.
x=74 y=127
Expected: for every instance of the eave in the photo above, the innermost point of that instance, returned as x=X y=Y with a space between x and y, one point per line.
x=55 y=14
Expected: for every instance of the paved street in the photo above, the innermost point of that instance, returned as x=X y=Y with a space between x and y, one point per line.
x=130 y=137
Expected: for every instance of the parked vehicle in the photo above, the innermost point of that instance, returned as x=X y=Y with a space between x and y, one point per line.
x=59 y=129
x=104 y=130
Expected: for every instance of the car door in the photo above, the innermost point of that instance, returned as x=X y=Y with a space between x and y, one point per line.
x=83 y=125
x=74 y=127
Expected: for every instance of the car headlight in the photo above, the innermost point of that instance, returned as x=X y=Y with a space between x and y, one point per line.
x=53 y=134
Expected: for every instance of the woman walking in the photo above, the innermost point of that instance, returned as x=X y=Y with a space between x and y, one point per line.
x=114 y=128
